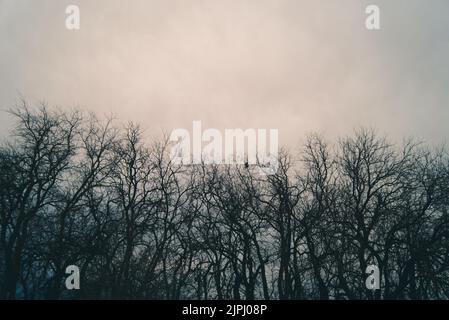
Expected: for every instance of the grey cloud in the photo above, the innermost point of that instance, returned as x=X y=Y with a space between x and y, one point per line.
x=294 y=65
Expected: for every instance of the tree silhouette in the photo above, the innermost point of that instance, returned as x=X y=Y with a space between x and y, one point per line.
x=75 y=189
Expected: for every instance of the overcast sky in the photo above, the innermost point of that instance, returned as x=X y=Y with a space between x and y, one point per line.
x=298 y=66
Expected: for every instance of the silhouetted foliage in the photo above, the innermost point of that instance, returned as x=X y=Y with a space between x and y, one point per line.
x=77 y=190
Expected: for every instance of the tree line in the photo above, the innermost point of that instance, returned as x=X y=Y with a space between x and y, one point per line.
x=79 y=190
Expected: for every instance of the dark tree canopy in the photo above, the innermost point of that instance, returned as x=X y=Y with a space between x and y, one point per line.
x=77 y=190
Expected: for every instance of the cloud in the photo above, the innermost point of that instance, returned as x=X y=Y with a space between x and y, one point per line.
x=294 y=65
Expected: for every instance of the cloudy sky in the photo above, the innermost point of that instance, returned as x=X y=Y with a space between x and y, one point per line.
x=298 y=66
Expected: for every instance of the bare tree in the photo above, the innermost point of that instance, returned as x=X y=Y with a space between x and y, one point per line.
x=75 y=189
